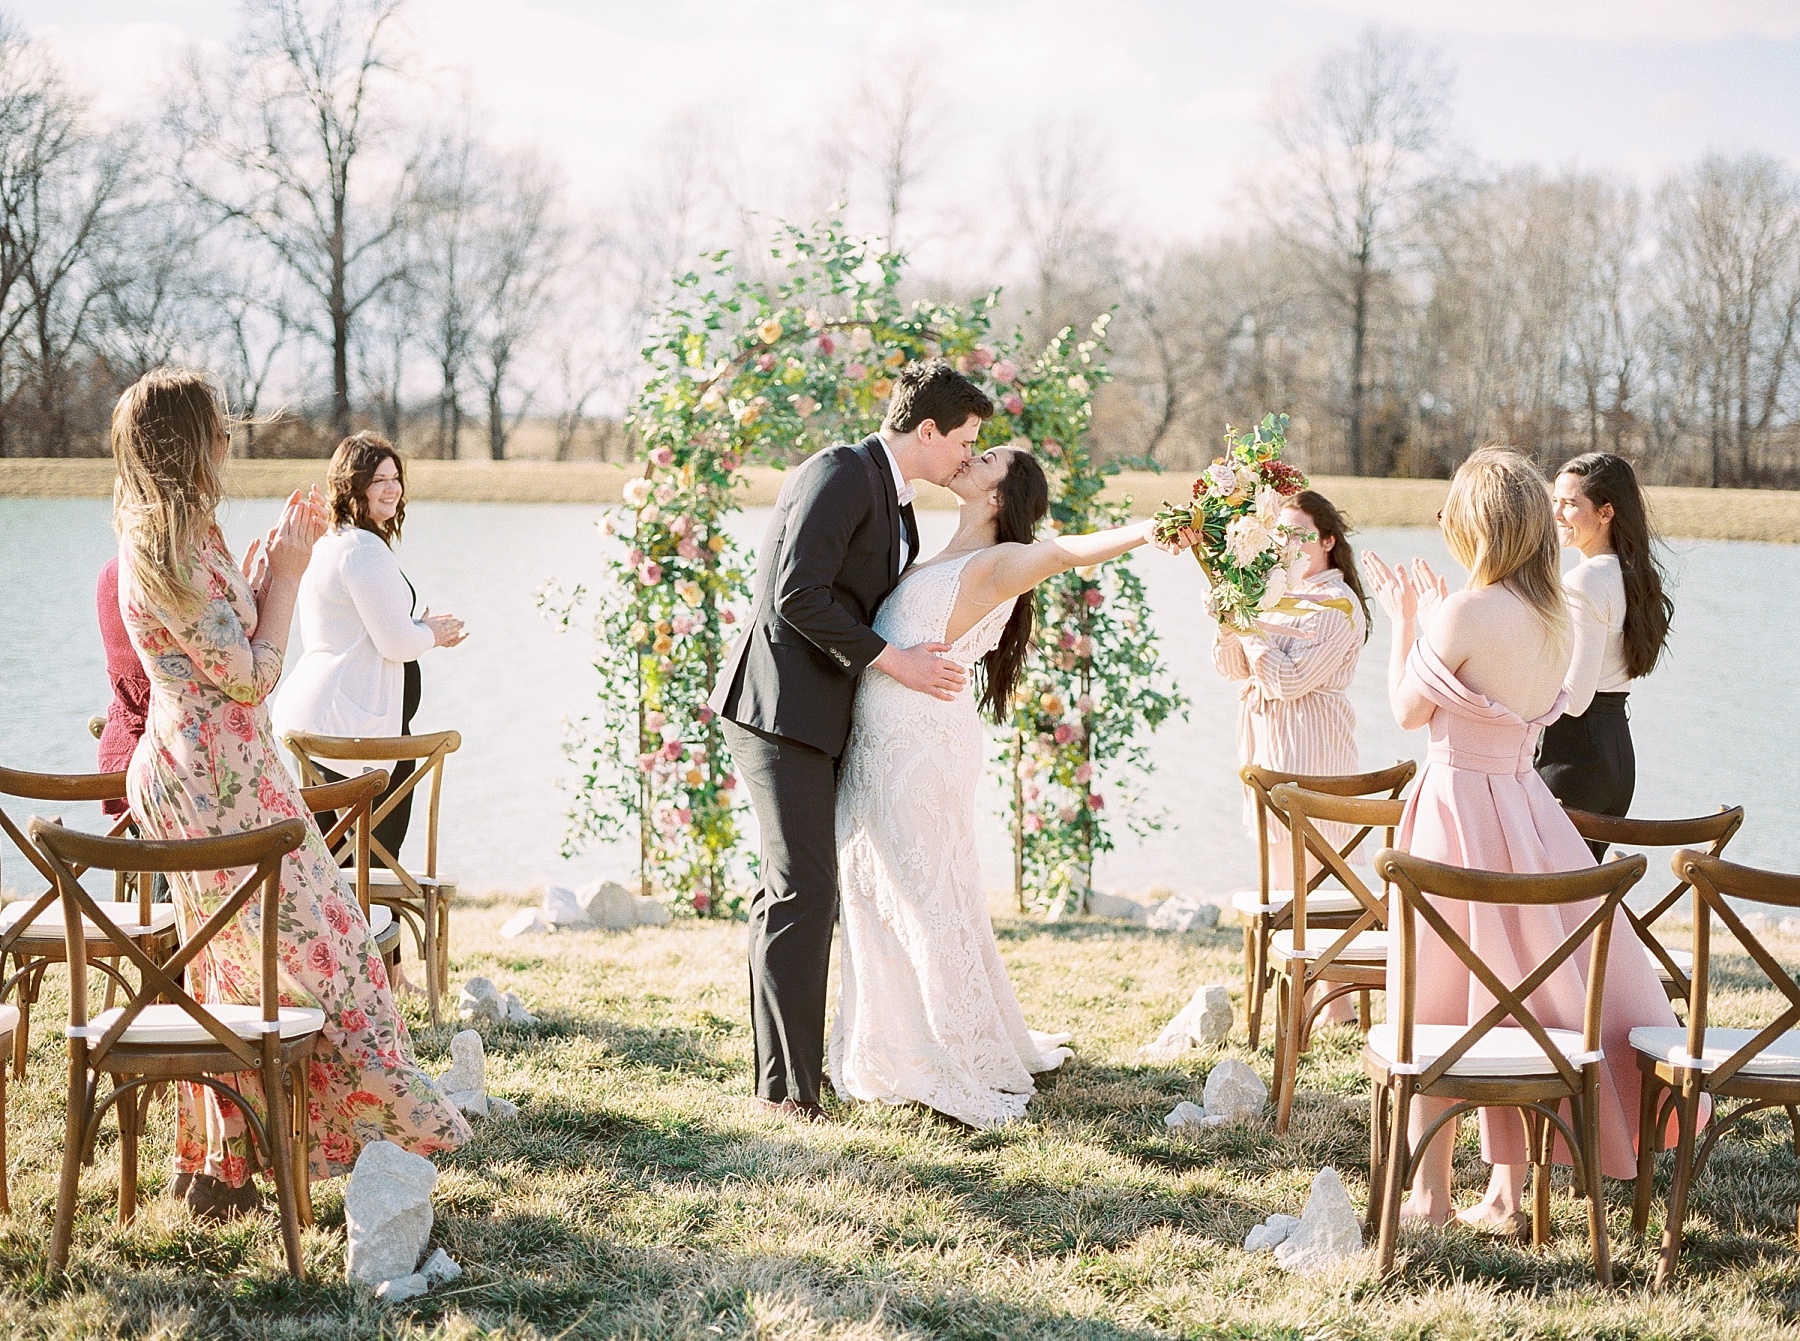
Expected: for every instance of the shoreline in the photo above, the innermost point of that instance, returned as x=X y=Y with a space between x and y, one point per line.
x=1766 y=515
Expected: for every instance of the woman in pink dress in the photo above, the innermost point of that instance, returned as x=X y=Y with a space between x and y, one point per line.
x=1486 y=673
x=212 y=640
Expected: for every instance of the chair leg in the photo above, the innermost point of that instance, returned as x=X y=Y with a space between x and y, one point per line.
x=302 y=1124
x=1256 y=943
x=281 y=1164
x=1378 y=1139
x=1365 y=1014
x=1538 y=1141
x=22 y=1035
x=68 y=1190
x=5 y=1193
x=127 y=1109
x=431 y=957
x=1395 y=1171
x=1649 y=1144
x=1688 y=1112
x=1295 y=1006
x=1589 y=1129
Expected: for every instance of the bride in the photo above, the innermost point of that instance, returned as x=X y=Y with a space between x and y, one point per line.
x=925 y=1013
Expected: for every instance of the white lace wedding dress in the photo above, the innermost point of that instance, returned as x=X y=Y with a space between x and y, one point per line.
x=925 y=1012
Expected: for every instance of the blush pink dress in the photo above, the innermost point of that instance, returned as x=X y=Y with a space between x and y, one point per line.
x=1480 y=804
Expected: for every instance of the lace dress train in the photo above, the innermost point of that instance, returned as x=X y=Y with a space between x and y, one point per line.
x=925 y=1011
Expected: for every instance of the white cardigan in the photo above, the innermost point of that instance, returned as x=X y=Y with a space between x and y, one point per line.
x=357 y=631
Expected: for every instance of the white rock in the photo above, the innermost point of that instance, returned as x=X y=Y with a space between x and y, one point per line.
x=439 y=1268
x=468 y=1064
x=1205 y=1022
x=1276 y=1229
x=1329 y=1231
x=516 y=1013
x=501 y=1109
x=1757 y=924
x=1234 y=1091
x=564 y=911
x=1115 y=905
x=387 y=1212
x=402 y=1288
x=525 y=922
x=651 y=912
x=1789 y=926
x=480 y=1000
x=471 y=1103
x=1184 y=912
x=609 y=904
x=1185 y=1114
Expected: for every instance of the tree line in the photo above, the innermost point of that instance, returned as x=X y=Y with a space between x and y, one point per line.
x=287 y=217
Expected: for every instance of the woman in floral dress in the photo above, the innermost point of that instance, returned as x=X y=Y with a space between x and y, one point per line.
x=212 y=638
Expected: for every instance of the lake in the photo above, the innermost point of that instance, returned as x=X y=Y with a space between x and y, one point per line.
x=1716 y=724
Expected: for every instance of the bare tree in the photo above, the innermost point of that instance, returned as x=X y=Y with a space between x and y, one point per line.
x=286 y=142
x=894 y=132
x=1363 y=145
x=1058 y=203
x=520 y=244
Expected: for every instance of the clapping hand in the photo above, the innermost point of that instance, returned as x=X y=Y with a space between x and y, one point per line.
x=447 y=629
x=289 y=547
x=1396 y=589
x=255 y=566
x=1432 y=588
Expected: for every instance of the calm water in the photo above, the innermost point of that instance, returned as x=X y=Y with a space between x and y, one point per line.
x=1716 y=724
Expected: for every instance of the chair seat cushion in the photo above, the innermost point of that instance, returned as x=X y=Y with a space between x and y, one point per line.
x=170 y=1024
x=382 y=926
x=49 y=924
x=1324 y=900
x=1669 y=1043
x=1369 y=947
x=1684 y=960
x=381 y=876
x=1506 y=1050
x=9 y=1020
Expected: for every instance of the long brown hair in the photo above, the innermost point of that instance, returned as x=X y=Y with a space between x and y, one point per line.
x=165 y=429
x=1498 y=524
x=1609 y=480
x=1332 y=525
x=1024 y=499
x=353 y=466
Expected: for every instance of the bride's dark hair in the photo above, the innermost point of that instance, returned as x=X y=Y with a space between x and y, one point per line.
x=1024 y=499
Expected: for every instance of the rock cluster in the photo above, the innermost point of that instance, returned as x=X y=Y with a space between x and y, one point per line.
x=481 y=1000
x=1116 y=906
x=465 y=1083
x=603 y=904
x=1233 y=1091
x=1205 y=1022
x=387 y=1217
x=1326 y=1232
x=1184 y=912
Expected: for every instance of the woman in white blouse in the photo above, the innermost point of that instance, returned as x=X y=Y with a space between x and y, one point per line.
x=359 y=672
x=1620 y=614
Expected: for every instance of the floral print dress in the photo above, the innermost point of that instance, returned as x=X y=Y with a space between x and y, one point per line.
x=207 y=766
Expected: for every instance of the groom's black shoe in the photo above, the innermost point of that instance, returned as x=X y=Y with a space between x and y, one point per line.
x=792 y=1108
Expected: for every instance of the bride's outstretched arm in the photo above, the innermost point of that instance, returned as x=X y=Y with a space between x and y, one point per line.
x=1005 y=571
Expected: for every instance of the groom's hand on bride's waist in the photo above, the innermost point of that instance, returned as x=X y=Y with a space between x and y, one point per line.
x=921 y=668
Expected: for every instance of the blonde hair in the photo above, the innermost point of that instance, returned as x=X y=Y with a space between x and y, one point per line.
x=164 y=431
x=1499 y=526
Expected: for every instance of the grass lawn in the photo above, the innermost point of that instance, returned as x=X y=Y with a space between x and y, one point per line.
x=638 y=1194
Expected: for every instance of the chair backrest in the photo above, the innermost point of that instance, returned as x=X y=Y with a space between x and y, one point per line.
x=353 y=800
x=1303 y=810
x=1262 y=783
x=260 y=850
x=432 y=749
x=1712 y=832
x=61 y=789
x=1414 y=878
x=1715 y=883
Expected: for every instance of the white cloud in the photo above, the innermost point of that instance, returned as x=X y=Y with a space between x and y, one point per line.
x=1678 y=21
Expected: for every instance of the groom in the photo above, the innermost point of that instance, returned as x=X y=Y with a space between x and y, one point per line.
x=842 y=535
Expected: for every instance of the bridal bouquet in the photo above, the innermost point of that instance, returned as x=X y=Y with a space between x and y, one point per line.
x=1250 y=559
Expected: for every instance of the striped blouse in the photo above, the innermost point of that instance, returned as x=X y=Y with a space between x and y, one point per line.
x=1294 y=710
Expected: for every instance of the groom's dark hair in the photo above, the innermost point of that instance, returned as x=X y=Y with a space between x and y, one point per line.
x=933 y=390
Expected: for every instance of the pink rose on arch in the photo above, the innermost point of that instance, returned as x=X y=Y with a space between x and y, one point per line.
x=983 y=356
x=634 y=557
x=1066 y=814
x=672 y=751
x=705 y=713
x=681 y=625
x=684 y=816
x=726 y=617
x=1096 y=802
x=1083 y=773
x=650 y=572
x=765 y=363
x=731 y=782
x=654 y=721
x=1084 y=705
x=1095 y=598
x=729 y=461
x=1005 y=371
x=855 y=371
x=687 y=549
x=663 y=456
x=646 y=762
x=681 y=526
x=827 y=345
x=1068 y=638
x=1064 y=734
x=1034 y=823
x=1013 y=403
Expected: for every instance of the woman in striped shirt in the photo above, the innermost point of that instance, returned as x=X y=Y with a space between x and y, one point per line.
x=1294 y=712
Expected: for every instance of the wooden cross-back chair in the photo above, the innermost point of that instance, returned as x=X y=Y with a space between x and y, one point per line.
x=353 y=800
x=1711 y=832
x=1339 y=961
x=1743 y=1071
x=1488 y=1063
x=419 y=899
x=1269 y=910
x=161 y=1033
x=31 y=929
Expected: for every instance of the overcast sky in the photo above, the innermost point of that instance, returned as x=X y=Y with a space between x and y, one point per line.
x=1176 y=89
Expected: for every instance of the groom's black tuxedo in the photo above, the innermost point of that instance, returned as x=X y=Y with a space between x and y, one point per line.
x=831 y=556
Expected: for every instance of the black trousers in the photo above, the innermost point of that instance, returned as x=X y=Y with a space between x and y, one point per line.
x=1588 y=762
x=391 y=832
x=793 y=788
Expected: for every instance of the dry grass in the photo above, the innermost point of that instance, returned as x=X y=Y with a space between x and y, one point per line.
x=639 y=1195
